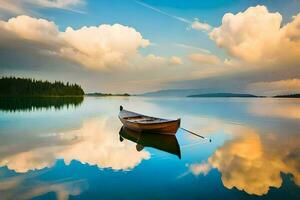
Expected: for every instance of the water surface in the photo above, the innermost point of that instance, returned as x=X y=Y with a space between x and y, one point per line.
x=76 y=152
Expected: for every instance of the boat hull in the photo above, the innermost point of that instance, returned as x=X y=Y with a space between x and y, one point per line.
x=142 y=123
x=169 y=127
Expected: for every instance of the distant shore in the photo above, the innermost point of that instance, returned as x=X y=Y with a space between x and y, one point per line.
x=28 y=87
x=98 y=94
x=288 y=96
x=222 y=95
x=229 y=95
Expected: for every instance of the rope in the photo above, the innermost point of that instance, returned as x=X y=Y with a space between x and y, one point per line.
x=195 y=134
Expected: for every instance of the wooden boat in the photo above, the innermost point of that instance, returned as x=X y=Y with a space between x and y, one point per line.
x=166 y=143
x=142 y=123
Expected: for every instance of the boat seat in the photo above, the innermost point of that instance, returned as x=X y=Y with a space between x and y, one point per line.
x=145 y=120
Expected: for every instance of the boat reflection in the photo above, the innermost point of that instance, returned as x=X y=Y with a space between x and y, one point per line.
x=166 y=143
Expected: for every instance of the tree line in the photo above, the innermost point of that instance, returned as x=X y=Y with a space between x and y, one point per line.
x=12 y=86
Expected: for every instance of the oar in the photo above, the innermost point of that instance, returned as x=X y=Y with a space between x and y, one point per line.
x=196 y=134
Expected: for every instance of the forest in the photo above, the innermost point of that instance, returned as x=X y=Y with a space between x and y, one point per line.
x=12 y=86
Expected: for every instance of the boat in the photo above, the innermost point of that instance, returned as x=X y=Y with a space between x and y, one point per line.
x=166 y=143
x=147 y=124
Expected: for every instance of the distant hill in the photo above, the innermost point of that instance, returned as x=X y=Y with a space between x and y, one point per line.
x=21 y=87
x=223 y=95
x=288 y=96
x=99 y=94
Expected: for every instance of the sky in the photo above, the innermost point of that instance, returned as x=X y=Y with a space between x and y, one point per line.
x=136 y=46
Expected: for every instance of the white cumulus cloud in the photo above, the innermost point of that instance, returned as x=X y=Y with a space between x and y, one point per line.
x=197 y=25
x=95 y=47
x=257 y=36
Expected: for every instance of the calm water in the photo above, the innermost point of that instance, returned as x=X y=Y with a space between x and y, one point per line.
x=76 y=152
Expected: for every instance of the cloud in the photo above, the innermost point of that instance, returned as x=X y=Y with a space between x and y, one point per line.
x=95 y=47
x=197 y=25
x=249 y=35
x=95 y=143
x=55 y=3
x=26 y=6
x=256 y=36
x=204 y=58
x=153 y=60
x=174 y=60
x=31 y=29
x=102 y=46
x=292 y=30
x=260 y=49
x=10 y=6
x=289 y=86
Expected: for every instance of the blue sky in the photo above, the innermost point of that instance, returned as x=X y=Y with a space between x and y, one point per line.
x=159 y=28
x=182 y=56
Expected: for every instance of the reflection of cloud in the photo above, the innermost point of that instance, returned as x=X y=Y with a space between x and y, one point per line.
x=62 y=190
x=95 y=143
x=274 y=108
x=200 y=168
x=30 y=160
x=253 y=163
x=12 y=187
x=9 y=183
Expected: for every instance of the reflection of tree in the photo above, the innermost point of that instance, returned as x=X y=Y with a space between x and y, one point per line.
x=13 y=104
x=253 y=162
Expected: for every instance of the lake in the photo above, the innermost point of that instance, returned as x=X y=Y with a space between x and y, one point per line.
x=75 y=150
